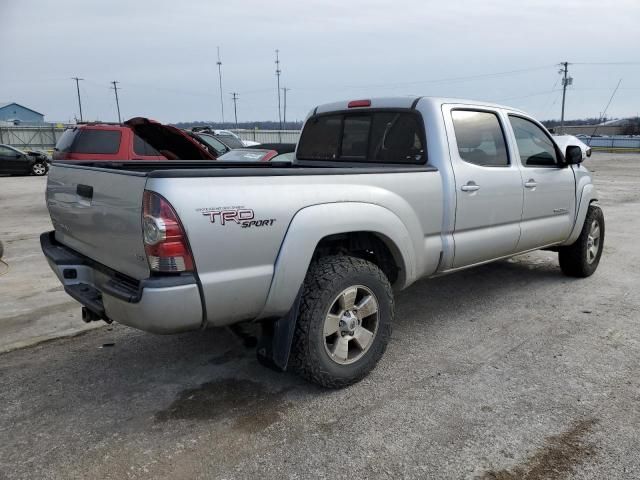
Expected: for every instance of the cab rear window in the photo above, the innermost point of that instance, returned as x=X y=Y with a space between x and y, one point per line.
x=384 y=136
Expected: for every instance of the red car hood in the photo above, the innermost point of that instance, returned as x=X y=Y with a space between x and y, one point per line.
x=171 y=142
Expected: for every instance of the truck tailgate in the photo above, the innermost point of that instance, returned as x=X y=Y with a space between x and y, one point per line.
x=98 y=214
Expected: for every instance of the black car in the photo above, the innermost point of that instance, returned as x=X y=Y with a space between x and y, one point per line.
x=17 y=162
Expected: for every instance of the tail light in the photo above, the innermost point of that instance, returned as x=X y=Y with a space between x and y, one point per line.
x=165 y=241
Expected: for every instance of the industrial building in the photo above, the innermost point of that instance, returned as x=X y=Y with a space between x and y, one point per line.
x=16 y=114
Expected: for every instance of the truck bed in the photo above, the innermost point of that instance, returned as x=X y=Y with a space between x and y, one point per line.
x=235 y=261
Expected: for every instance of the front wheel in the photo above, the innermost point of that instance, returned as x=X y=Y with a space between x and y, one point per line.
x=39 y=169
x=582 y=258
x=344 y=322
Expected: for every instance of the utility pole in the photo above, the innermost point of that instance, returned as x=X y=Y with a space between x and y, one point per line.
x=234 y=95
x=219 y=63
x=284 y=116
x=78 y=90
x=115 y=89
x=566 y=81
x=278 y=71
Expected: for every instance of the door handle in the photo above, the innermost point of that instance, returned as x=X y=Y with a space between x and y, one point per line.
x=531 y=183
x=470 y=187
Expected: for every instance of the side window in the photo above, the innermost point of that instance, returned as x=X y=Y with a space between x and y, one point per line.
x=101 y=142
x=140 y=147
x=479 y=138
x=535 y=147
x=320 y=137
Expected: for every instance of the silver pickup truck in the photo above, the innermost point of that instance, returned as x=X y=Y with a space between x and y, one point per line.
x=382 y=192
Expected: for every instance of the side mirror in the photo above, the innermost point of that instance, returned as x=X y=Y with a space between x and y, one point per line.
x=573 y=155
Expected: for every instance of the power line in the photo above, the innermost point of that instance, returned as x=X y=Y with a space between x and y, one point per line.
x=605 y=63
x=219 y=63
x=566 y=81
x=278 y=71
x=78 y=90
x=234 y=95
x=604 y=112
x=115 y=89
x=284 y=119
x=439 y=80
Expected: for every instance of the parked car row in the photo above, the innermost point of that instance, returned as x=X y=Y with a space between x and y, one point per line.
x=143 y=139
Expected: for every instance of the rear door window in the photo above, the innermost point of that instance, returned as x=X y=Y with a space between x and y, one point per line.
x=380 y=136
x=100 y=142
x=479 y=138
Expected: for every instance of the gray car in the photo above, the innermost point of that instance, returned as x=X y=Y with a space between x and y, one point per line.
x=382 y=192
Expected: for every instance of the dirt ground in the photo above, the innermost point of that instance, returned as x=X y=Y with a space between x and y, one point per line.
x=506 y=371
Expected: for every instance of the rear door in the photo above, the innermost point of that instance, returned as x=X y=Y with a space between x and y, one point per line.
x=548 y=186
x=488 y=185
x=98 y=213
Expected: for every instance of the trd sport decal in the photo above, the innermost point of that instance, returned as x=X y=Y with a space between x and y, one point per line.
x=245 y=217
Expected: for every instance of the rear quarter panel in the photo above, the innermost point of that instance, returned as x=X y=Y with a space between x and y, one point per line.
x=236 y=265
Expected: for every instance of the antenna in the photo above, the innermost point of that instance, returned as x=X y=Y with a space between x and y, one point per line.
x=219 y=63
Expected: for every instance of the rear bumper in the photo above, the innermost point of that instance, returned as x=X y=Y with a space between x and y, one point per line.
x=158 y=305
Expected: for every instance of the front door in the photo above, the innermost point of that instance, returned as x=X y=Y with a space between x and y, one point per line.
x=548 y=186
x=9 y=160
x=488 y=186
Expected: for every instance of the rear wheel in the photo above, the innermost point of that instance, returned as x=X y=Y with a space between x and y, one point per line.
x=39 y=168
x=582 y=258
x=344 y=322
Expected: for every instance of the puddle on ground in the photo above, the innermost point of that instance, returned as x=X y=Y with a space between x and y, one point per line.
x=248 y=404
x=555 y=460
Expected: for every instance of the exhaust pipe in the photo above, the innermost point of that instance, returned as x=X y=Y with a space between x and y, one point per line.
x=91 y=316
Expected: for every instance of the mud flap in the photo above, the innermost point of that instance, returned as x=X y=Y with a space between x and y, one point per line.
x=274 y=345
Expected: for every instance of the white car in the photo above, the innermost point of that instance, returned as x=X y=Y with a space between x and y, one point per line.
x=564 y=141
x=224 y=133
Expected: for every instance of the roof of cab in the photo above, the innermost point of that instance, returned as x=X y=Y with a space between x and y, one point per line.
x=406 y=102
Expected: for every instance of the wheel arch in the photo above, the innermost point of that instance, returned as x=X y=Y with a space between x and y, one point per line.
x=337 y=228
x=588 y=196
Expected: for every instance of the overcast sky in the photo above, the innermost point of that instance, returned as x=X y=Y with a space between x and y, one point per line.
x=164 y=54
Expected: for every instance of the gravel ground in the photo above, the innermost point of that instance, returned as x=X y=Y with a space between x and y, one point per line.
x=506 y=371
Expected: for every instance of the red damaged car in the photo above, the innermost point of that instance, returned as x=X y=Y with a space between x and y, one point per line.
x=136 y=139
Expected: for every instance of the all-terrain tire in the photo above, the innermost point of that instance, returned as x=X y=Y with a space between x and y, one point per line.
x=326 y=278
x=581 y=259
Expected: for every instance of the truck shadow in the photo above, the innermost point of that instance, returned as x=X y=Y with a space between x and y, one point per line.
x=213 y=375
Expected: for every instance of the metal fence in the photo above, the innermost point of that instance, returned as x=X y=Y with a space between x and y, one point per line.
x=41 y=137
x=614 y=142
x=269 y=136
x=45 y=137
